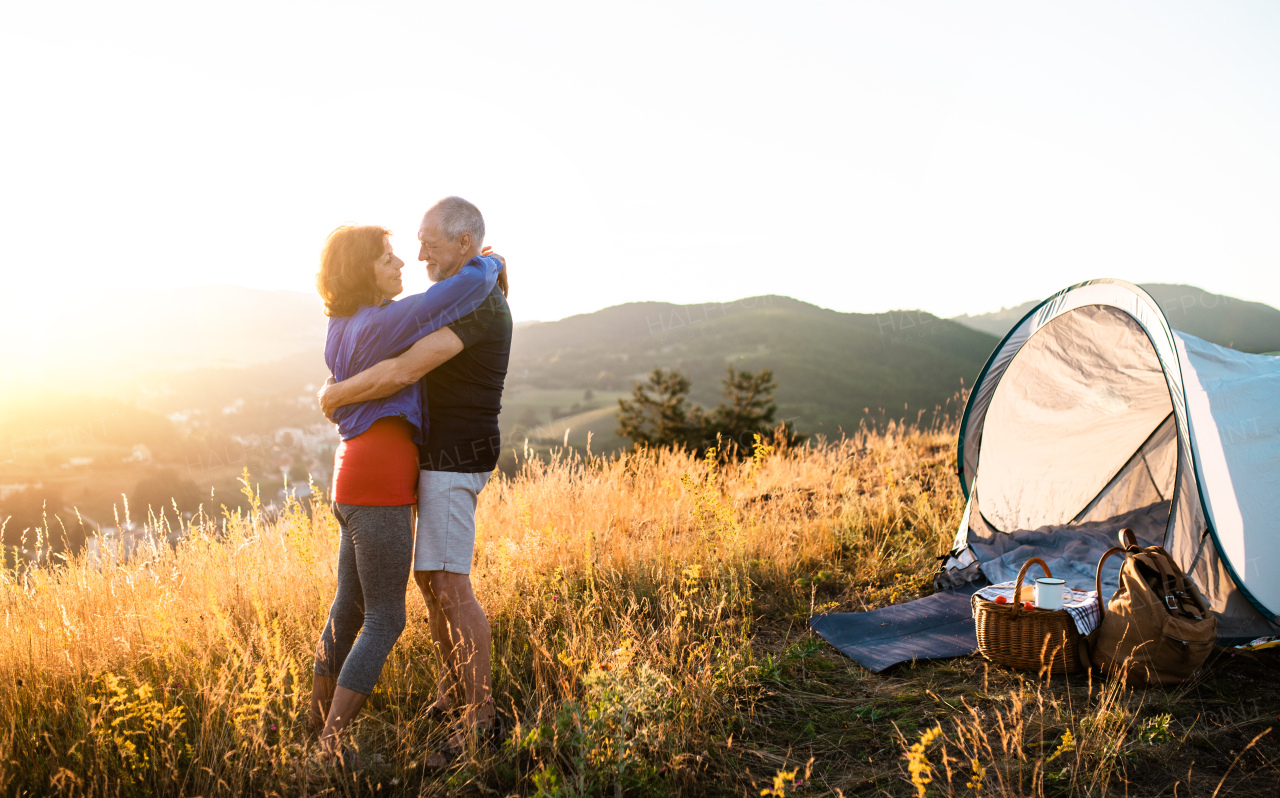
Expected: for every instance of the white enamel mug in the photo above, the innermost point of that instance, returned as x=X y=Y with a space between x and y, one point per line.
x=1048 y=592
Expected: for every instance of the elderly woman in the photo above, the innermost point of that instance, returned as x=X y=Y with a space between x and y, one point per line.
x=376 y=466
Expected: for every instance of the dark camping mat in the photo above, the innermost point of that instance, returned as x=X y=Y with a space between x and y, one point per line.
x=934 y=627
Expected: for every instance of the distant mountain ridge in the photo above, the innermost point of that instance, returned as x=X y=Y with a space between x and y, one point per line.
x=832 y=368
x=1227 y=321
x=210 y=346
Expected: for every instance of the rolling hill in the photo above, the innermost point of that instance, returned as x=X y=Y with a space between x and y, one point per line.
x=1227 y=321
x=832 y=368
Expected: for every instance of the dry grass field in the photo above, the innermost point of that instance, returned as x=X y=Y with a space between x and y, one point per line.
x=650 y=638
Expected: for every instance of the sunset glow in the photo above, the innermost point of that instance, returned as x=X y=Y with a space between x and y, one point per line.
x=935 y=156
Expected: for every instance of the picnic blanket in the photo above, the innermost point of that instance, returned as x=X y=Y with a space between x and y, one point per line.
x=934 y=627
x=1071 y=551
x=941 y=625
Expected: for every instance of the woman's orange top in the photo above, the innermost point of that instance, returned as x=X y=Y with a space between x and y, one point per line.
x=378 y=467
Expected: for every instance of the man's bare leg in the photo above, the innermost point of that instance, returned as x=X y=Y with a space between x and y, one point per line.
x=468 y=649
x=439 y=628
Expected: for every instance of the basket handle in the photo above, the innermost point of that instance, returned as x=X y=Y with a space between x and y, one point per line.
x=1022 y=574
x=1097 y=579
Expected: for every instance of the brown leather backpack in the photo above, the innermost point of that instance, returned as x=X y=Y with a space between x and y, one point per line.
x=1157 y=628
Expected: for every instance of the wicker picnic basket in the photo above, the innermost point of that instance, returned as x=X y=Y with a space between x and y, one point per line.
x=1038 y=640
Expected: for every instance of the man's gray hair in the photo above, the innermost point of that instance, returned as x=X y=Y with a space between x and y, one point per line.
x=457 y=216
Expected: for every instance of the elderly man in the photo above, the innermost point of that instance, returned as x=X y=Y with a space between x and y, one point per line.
x=462 y=367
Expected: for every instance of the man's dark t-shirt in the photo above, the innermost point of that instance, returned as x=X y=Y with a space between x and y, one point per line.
x=462 y=396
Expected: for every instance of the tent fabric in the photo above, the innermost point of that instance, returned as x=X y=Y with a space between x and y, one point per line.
x=1234 y=403
x=1091 y=375
x=1093 y=407
x=1148 y=478
x=1108 y=293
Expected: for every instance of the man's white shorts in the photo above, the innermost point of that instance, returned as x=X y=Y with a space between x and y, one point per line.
x=446 y=537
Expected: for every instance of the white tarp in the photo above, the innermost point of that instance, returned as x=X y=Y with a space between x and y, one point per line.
x=1233 y=400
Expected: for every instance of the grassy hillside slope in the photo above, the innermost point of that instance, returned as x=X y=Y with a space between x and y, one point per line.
x=650 y=638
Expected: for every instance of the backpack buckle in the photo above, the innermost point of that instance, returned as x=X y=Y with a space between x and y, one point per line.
x=1171 y=602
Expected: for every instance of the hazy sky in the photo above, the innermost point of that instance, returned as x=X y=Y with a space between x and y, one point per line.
x=954 y=157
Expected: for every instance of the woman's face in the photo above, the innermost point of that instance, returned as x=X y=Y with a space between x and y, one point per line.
x=386 y=272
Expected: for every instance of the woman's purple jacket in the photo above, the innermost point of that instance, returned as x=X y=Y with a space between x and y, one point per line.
x=375 y=333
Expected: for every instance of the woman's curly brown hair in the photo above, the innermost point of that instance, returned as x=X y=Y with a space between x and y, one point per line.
x=346 y=281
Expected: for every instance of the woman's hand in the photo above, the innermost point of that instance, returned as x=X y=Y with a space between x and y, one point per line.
x=326 y=408
x=502 y=275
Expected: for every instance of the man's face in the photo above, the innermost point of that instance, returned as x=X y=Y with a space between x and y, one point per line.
x=443 y=258
x=386 y=272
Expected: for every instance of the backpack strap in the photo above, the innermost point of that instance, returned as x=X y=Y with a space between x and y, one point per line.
x=1128 y=540
x=1176 y=599
x=1097 y=579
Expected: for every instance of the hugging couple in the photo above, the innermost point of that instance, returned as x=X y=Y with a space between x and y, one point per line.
x=416 y=389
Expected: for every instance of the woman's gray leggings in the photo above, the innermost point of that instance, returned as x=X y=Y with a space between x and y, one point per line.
x=375 y=554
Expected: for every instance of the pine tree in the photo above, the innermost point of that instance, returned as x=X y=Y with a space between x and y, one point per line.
x=748 y=410
x=658 y=413
x=748 y=406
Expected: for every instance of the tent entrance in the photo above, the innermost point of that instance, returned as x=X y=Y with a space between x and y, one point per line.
x=1149 y=477
x=1080 y=428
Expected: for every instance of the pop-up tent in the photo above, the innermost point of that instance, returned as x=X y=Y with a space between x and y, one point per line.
x=1092 y=414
